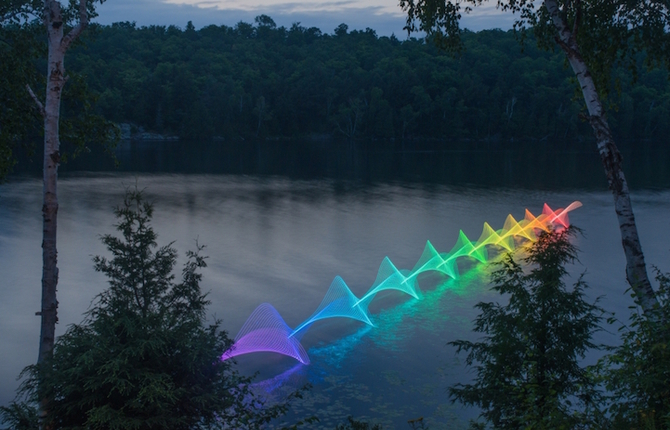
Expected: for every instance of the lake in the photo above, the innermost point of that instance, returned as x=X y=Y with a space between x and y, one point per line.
x=281 y=220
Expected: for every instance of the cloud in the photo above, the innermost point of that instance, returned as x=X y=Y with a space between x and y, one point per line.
x=384 y=16
x=288 y=7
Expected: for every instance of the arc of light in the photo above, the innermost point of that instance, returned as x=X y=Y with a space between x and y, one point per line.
x=265 y=330
x=431 y=260
x=512 y=228
x=339 y=301
x=560 y=216
x=389 y=278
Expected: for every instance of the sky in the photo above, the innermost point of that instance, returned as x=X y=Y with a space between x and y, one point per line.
x=383 y=16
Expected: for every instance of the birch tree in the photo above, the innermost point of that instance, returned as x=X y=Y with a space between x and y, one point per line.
x=60 y=36
x=596 y=36
x=19 y=18
x=58 y=44
x=21 y=46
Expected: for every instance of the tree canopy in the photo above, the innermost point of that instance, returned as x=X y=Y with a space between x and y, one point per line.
x=23 y=52
x=260 y=79
x=608 y=33
x=18 y=116
x=595 y=36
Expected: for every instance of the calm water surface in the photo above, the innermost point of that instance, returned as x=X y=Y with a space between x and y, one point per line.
x=279 y=226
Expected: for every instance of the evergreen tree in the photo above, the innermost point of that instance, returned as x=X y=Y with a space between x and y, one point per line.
x=144 y=357
x=527 y=364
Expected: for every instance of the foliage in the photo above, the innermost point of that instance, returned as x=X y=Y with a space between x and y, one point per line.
x=18 y=116
x=249 y=79
x=144 y=357
x=608 y=33
x=20 y=416
x=637 y=373
x=527 y=363
x=22 y=55
x=353 y=424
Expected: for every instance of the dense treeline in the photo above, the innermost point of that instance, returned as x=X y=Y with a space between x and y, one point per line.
x=268 y=81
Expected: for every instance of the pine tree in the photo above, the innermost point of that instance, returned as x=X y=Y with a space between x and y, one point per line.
x=528 y=372
x=144 y=357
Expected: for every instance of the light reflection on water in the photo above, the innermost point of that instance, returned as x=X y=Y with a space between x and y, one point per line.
x=282 y=241
x=379 y=373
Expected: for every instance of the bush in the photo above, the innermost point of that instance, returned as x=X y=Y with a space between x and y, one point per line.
x=637 y=373
x=144 y=357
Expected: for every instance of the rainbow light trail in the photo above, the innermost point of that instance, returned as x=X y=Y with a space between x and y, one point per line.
x=266 y=331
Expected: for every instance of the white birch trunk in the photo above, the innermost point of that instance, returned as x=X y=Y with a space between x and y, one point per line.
x=636 y=270
x=57 y=45
x=55 y=82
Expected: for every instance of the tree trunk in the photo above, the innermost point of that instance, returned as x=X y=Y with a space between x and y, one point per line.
x=636 y=269
x=57 y=46
x=261 y=108
x=55 y=81
x=50 y=110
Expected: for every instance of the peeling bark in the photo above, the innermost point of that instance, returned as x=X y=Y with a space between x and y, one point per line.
x=57 y=46
x=55 y=81
x=50 y=110
x=636 y=269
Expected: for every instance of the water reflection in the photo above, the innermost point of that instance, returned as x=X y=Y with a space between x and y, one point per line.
x=530 y=165
x=280 y=224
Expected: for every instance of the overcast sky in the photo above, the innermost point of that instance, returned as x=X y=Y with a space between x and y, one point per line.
x=384 y=16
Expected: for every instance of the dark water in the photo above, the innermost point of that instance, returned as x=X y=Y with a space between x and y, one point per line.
x=535 y=165
x=281 y=221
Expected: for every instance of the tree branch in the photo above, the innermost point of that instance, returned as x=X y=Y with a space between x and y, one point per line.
x=578 y=18
x=564 y=38
x=557 y=20
x=76 y=31
x=39 y=104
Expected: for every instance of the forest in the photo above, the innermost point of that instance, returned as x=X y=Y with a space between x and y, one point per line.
x=263 y=81
x=145 y=355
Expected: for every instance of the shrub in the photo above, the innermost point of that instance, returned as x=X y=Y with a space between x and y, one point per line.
x=637 y=373
x=144 y=356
